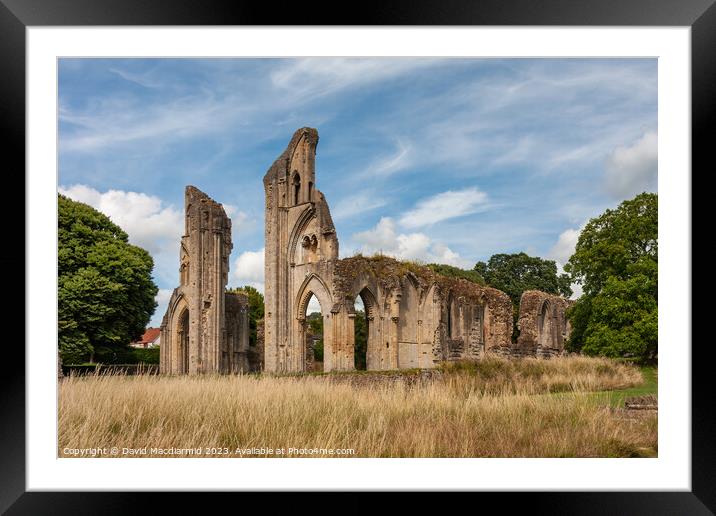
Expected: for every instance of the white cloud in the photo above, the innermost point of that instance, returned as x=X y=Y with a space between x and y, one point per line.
x=148 y=222
x=162 y=299
x=412 y=246
x=444 y=206
x=633 y=169
x=564 y=248
x=248 y=269
x=164 y=295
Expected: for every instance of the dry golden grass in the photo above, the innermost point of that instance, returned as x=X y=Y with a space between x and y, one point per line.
x=489 y=409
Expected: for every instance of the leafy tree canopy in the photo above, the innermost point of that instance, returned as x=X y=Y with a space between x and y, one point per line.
x=611 y=243
x=105 y=287
x=616 y=261
x=516 y=273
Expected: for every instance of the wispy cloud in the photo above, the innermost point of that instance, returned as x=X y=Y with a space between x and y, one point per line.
x=315 y=77
x=146 y=80
x=632 y=169
x=353 y=205
x=444 y=206
x=123 y=122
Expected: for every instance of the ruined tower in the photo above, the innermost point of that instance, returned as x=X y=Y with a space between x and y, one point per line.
x=301 y=246
x=205 y=329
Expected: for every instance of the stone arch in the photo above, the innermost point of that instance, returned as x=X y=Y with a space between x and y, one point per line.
x=180 y=338
x=375 y=350
x=298 y=229
x=546 y=326
x=312 y=285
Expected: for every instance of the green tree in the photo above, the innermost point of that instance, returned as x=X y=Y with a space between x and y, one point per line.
x=256 y=308
x=105 y=287
x=616 y=262
x=516 y=273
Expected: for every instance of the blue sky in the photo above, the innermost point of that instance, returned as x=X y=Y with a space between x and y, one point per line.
x=446 y=160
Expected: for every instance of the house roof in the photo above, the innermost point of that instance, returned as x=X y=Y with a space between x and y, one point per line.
x=150 y=335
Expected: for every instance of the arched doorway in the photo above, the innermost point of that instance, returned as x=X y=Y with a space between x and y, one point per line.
x=313 y=297
x=313 y=334
x=183 y=342
x=546 y=327
x=360 y=332
x=368 y=354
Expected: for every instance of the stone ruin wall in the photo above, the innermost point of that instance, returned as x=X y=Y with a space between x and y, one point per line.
x=544 y=327
x=418 y=318
x=205 y=329
x=235 y=345
x=256 y=353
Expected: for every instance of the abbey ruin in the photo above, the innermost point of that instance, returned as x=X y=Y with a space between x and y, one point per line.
x=416 y=318
x=205 y=328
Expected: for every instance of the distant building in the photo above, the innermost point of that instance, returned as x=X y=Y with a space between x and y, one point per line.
x=150 y=339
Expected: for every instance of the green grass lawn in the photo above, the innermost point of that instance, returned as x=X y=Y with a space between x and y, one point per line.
x=616 y=398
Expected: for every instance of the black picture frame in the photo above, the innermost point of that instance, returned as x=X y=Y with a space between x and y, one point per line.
x=17 y=15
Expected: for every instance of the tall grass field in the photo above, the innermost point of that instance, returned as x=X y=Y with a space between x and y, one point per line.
x=492 y=408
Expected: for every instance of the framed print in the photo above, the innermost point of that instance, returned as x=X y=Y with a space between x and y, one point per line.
x=451 y=142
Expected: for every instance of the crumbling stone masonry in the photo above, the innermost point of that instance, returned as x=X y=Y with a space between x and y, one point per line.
x=415 y=317
x=543 y=325
x=205 y=329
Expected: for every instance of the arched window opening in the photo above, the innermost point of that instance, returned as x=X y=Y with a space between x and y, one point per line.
x=545 y=327
x=183 y=338
x=314 y=334
x=360 y=327
x=296 y=188
x=310 y=191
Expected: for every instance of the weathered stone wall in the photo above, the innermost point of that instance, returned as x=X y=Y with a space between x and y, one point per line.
x=256 y=352
x=418 y=318
x=196 y=335
x=234 y=357
x=543 y=325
